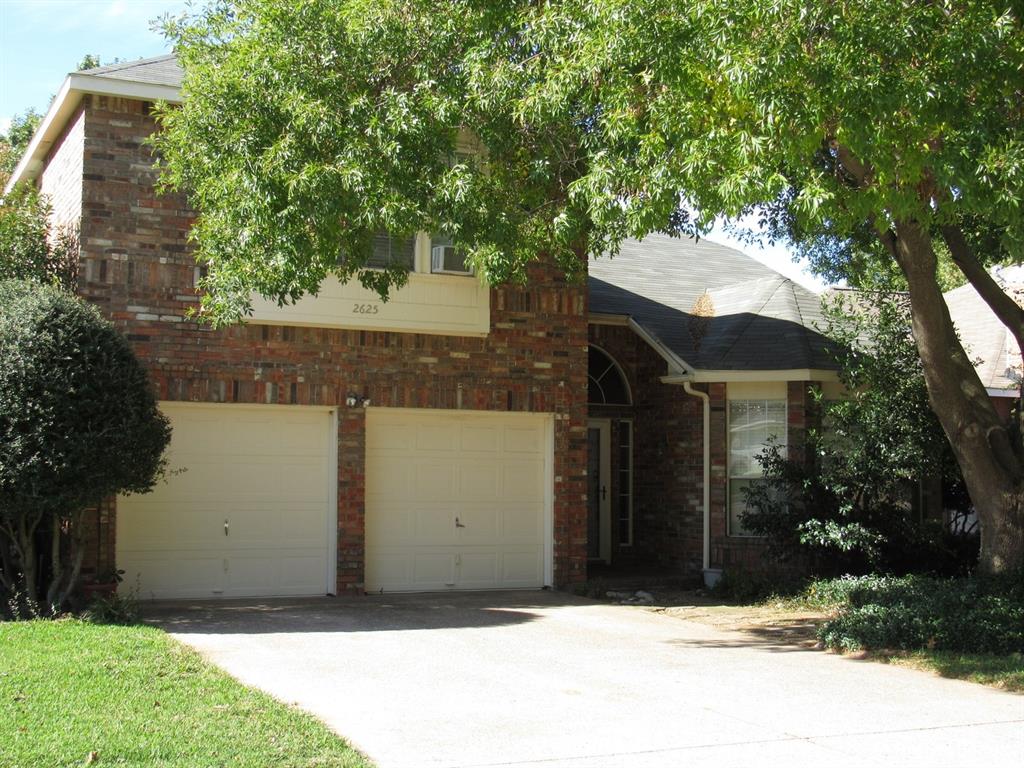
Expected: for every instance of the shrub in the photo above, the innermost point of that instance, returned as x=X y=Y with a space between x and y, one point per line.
x=844 y=503
x=967 y=615
x=78 y=423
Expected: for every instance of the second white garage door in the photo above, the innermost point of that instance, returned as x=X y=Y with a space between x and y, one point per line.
x=456 y=500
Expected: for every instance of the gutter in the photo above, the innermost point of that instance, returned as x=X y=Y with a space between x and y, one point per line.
x=706 y=501
x=687 y=382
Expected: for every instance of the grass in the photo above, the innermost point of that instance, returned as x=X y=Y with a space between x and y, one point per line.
x=1003 y=672
x=73 y=693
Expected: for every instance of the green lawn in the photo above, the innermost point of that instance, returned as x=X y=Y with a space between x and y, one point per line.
x=1004 y=672
x=135 y=697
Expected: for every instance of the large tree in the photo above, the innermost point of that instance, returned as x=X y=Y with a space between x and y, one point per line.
x=866 y=131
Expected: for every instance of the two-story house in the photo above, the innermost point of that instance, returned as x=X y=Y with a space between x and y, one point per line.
x=458 y=436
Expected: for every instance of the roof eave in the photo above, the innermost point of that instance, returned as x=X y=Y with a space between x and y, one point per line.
x=676 y=365
x=64 y=105
x=785 y=374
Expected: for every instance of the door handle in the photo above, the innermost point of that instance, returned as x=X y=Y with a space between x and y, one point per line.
x=604 y=493
x=225 y=527
x=458 y=524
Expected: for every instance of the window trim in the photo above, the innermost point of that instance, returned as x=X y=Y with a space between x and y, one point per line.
x=729 y=476
x=622 y=375
x=421 y=258
x=629 y=490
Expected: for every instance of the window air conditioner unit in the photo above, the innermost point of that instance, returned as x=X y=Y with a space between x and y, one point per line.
x=446 y=259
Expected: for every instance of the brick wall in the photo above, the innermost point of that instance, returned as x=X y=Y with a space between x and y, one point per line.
x=668 y=461
x=667 y=457
x=62 y=182
x=136 y=265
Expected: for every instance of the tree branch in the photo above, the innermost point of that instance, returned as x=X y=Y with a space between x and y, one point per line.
x=1005 y=308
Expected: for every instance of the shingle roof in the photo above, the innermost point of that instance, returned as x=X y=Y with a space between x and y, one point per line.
x=987 y=341
x=159 y=70
x=714 y=307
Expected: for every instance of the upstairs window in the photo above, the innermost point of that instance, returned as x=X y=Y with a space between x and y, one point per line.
x=446 y=258
x=388 y=251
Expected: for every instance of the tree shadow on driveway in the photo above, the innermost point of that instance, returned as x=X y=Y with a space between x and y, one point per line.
x=372 y=613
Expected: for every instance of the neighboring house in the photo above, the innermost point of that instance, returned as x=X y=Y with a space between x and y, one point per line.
x=988 y=342
x=455 y=437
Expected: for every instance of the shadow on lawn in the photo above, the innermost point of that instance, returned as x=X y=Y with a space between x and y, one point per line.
x=372 y=613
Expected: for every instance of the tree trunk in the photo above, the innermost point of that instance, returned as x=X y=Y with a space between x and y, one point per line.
x=26 y=545
x=7 y=578
x=990 y=466
x=56 y=565
x=77 y=556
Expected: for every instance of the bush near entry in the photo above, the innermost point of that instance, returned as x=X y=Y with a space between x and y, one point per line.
x=967 y=615
x=78 y=422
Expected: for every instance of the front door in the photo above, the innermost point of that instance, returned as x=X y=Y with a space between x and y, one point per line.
x=599 y=520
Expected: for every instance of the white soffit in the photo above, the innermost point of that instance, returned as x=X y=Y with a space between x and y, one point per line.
x=63 y=107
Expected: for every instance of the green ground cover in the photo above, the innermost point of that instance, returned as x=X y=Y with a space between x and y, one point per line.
x=74 y=693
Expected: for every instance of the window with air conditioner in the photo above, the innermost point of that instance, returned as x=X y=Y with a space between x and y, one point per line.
x=446 y=258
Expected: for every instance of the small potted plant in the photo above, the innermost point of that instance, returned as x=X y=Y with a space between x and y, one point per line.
x=103 y=584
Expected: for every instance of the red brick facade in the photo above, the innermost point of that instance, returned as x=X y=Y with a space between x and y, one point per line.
x=668 y=457
x=136 y=266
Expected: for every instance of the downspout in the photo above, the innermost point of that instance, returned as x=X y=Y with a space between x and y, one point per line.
x=687 y=387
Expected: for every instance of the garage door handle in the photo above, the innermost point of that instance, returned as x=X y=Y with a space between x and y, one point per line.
x=458 y=524
x=225 y=527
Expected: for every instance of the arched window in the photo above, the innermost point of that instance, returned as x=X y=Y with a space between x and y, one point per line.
x=607 y=385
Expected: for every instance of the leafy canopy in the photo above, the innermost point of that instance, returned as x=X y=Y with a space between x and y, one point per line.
x=306 y=127
x=78 y=418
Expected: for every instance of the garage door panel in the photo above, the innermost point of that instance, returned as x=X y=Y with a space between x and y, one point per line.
x=522 y=481
x=436 y=436
x=521 y=567
x=479 y=480
x=400 y=485
x=395 y=524
x=486 y=470
x=522 y=524
x=156 y=523
x=270 y=526
x=172 y=573
x=482 y=524
x=265 y=471
x=479 y=570
x=483 y=439
x=433 y=570
x=434 y=480
x=523 y=440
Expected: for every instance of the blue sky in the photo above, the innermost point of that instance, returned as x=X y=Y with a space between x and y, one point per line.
x=42 y=40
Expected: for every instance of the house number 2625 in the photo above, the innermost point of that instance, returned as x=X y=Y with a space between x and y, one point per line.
x=365 y=309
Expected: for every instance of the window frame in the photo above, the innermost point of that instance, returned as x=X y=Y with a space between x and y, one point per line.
x=782 y=440
x=628 y=489
x=421 y=258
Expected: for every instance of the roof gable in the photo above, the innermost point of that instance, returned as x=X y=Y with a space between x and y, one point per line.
x=712 y=307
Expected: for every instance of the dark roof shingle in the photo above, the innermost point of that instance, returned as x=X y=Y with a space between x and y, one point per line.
x=158 y=70
x=749 y=316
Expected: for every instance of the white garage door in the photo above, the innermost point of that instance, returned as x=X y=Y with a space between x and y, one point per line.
x=247 y=512
x=455 y=500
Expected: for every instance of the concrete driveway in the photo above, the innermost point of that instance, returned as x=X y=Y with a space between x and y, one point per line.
x=544 y=679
